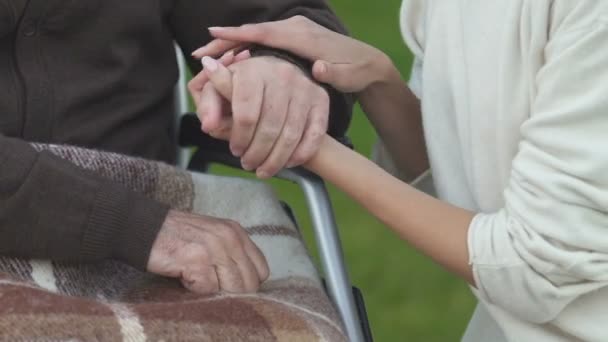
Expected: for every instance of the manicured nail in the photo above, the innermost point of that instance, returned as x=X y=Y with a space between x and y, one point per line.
x=323 y=68
x=215 y=28
x=209 y=63
x=244 y=54
x=228 y=54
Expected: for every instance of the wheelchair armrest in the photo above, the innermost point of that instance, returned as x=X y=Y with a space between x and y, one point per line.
x=212 y=150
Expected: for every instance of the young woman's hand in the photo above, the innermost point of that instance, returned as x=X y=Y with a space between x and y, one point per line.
x=343 y=62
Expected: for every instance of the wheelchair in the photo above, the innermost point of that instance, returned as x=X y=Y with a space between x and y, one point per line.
x=347 y=299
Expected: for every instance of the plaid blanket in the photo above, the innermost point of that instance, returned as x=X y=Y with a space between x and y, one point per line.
x=41 y=300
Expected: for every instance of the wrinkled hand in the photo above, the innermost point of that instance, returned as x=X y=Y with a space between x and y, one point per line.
x=279 y=116
x=207 y=254
x=343 y=62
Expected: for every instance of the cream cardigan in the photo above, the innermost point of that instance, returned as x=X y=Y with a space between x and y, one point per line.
x=515 y=104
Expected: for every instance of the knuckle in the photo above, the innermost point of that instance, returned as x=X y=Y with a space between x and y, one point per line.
x=244 y=97
x=298 y=158
x=230 y=235
x=323 y=97
x=316 y=134
x=246 y=120
x=299 y=19
x=200 y=254
x=211 y=240
x=258 y=32
x=269 y=132
x=286 y=71
x=301 y=157
x=292 y=135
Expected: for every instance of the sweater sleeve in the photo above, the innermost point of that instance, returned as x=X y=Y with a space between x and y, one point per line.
x=51 y=209
x=191 y=18
x=548 y=246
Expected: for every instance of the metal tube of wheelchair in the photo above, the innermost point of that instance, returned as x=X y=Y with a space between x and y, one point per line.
x=330 y=249
x=182 y=106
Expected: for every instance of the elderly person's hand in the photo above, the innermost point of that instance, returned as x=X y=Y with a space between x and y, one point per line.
x=207 y=254
x=343 y=62
x=278 y=114
x=222 y=80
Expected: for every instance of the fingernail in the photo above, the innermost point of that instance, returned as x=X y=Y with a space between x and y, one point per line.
x=246 y=166
x=228 y=54
x=235 y=151
x=263 y=174
x=323 y=68
x=209 y=63
x=244 y=53
x=215 y=28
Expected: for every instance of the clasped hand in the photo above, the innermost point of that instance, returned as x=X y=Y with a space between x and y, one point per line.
x=275 y=116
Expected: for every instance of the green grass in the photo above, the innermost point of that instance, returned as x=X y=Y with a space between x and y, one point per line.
x=408 y=297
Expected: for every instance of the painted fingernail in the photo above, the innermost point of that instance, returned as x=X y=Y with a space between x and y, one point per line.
x=209 y=63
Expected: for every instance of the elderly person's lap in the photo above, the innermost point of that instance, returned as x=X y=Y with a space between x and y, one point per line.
x=40 y=299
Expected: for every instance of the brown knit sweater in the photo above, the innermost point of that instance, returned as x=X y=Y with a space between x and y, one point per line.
x=99 y=74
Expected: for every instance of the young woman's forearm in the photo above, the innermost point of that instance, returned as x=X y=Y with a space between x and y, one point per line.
x=395 y=113
x=433 y=227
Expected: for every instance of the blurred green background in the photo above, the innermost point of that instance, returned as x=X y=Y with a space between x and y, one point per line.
x=408 y=297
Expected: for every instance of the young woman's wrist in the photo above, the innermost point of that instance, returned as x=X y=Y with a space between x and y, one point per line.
x=388 y=77
x=385 y=74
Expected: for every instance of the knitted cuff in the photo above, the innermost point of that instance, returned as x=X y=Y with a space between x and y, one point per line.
x=122 y=225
